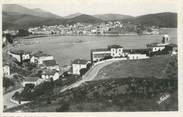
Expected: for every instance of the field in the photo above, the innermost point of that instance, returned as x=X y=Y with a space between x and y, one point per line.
x=67 y=48
x=154 y=66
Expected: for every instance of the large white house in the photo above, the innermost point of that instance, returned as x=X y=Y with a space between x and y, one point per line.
x=39 y=57
x=78 y=64
x=113 y=51
x=20 y=55
x=6 y=70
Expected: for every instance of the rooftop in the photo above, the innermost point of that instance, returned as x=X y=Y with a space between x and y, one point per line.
x=31 y=79
x=49 y=62
x=114 y=46
x=49 y=72
x=80 y=61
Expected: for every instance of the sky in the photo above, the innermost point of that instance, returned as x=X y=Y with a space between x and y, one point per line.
x=92 y=7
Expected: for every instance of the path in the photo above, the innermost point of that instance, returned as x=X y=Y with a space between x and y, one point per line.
x=6 y=99
x=90 y=75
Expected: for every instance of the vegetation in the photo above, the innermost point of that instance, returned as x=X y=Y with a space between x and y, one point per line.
x=127 y=94
x=7 y=82
x=154 y=66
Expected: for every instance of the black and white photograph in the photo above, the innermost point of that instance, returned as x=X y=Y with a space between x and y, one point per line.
x=90 y=56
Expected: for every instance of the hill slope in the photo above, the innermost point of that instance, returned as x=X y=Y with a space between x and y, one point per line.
x=23 y=10
x=84 y=19
x=112 y=17
x=13 y=20
x=73 y=15
x=166 y=19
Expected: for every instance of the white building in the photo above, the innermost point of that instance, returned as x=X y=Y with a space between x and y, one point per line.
x=159 y=46
x=48 y=74
x=20 y=55
x=78 y=64
x=32 y=80
x=114 y=51
x=6 y=70
x=137 y=56
x=39 y=57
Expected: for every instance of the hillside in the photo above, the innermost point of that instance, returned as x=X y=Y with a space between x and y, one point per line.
x=154 y=66
x=112 y=17
x=166 y=20
x=73 y=15
x=26 y=11
x=84 y=19
x=12 y=20
x=15 y=17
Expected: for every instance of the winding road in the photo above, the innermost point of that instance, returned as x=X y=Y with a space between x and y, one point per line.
x=7 y=97
x=90 y=75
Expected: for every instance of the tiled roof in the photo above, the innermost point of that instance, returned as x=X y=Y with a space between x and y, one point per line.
x=114 y=46
x=31 y=79
x=49 y=62
x=80 y=61
x=48 y=72
x=137 y=51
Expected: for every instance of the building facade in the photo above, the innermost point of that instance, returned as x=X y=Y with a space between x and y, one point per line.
x=78 y=64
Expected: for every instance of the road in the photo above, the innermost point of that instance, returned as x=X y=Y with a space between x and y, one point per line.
x=90 y=75
x=6 y=99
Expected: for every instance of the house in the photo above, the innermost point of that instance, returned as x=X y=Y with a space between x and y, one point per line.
x=39 y=57
x=6 y=70
x=137 y=56
x=20 y=55
x=50 y=64
x=78 y=64
x=98 y=54
x=46 y=75
x=114 y=51
x=136 y=53
x=154 y=47
x=32 y=81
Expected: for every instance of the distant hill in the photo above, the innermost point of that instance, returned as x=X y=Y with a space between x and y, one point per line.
x=73 y=15
x=112 y=17
x=166 y=19
x=84 y=19
x=15 y=17
x=13 y=20
x=23 y=10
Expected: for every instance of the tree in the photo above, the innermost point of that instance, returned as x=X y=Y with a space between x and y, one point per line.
x=88 y=66
x=9 y=38
x=7 y=82
x=23 y=32
x=82 y=71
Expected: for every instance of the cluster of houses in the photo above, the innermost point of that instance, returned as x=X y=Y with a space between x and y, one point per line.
x=111 y=27
x=50 y=69
x=117 y=51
